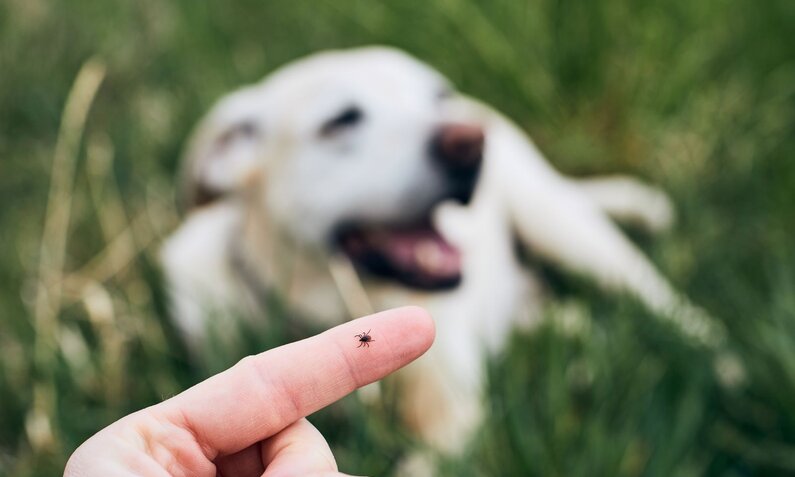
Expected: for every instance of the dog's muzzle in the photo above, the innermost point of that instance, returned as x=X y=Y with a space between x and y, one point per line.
x=416 y=254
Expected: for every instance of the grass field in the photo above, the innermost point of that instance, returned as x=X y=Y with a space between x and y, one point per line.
x=696 y=96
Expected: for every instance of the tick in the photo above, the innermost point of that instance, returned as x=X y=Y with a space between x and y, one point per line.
x=365 y=339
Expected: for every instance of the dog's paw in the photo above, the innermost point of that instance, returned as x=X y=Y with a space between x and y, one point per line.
x=631 y=201
x=659 y=214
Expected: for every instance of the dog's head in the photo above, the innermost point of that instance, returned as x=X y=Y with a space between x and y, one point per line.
x=351 y=150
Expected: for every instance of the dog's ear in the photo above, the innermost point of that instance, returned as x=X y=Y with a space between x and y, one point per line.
x=222 y=157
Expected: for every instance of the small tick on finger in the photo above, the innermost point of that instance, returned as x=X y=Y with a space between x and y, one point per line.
x=365 y=339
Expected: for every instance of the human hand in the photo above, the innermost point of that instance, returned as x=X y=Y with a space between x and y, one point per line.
x=250 y=419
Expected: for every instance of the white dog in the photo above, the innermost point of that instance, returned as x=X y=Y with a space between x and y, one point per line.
x=353 y=181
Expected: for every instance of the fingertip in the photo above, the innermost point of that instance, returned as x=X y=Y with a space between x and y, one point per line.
x=413 y=324
x=421 y=323
x=399 y=335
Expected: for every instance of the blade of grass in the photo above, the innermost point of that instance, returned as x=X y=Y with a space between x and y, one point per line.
x=53 y=245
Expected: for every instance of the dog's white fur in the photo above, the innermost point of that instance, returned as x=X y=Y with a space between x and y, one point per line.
x=282 y=188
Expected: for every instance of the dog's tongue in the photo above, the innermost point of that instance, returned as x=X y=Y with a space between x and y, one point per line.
x=420 y=254
x=422 y=250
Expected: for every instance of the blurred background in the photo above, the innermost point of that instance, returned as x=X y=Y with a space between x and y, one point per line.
x=96 y=99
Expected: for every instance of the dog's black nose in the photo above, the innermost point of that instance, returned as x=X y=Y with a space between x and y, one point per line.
x=458 y=147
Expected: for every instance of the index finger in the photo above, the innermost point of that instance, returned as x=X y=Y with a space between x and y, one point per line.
x=264 y=393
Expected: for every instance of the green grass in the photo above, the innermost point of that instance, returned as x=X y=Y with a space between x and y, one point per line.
x=697 y=96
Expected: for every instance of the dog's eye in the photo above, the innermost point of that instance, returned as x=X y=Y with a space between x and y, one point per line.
x=349 y=117
x=445 y=93
x=242 y=130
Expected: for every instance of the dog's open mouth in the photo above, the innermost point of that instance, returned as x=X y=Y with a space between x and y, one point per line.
x=414 y=255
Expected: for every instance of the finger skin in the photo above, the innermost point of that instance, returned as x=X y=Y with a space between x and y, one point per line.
x=298 y=450
x=188 y=434
x=263 y=394
x=140 y=444
x=246 y=463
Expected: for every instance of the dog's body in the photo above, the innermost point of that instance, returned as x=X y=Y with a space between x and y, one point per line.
x=338 y=183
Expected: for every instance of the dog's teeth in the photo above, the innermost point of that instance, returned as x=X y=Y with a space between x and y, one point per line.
x=429 y=255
